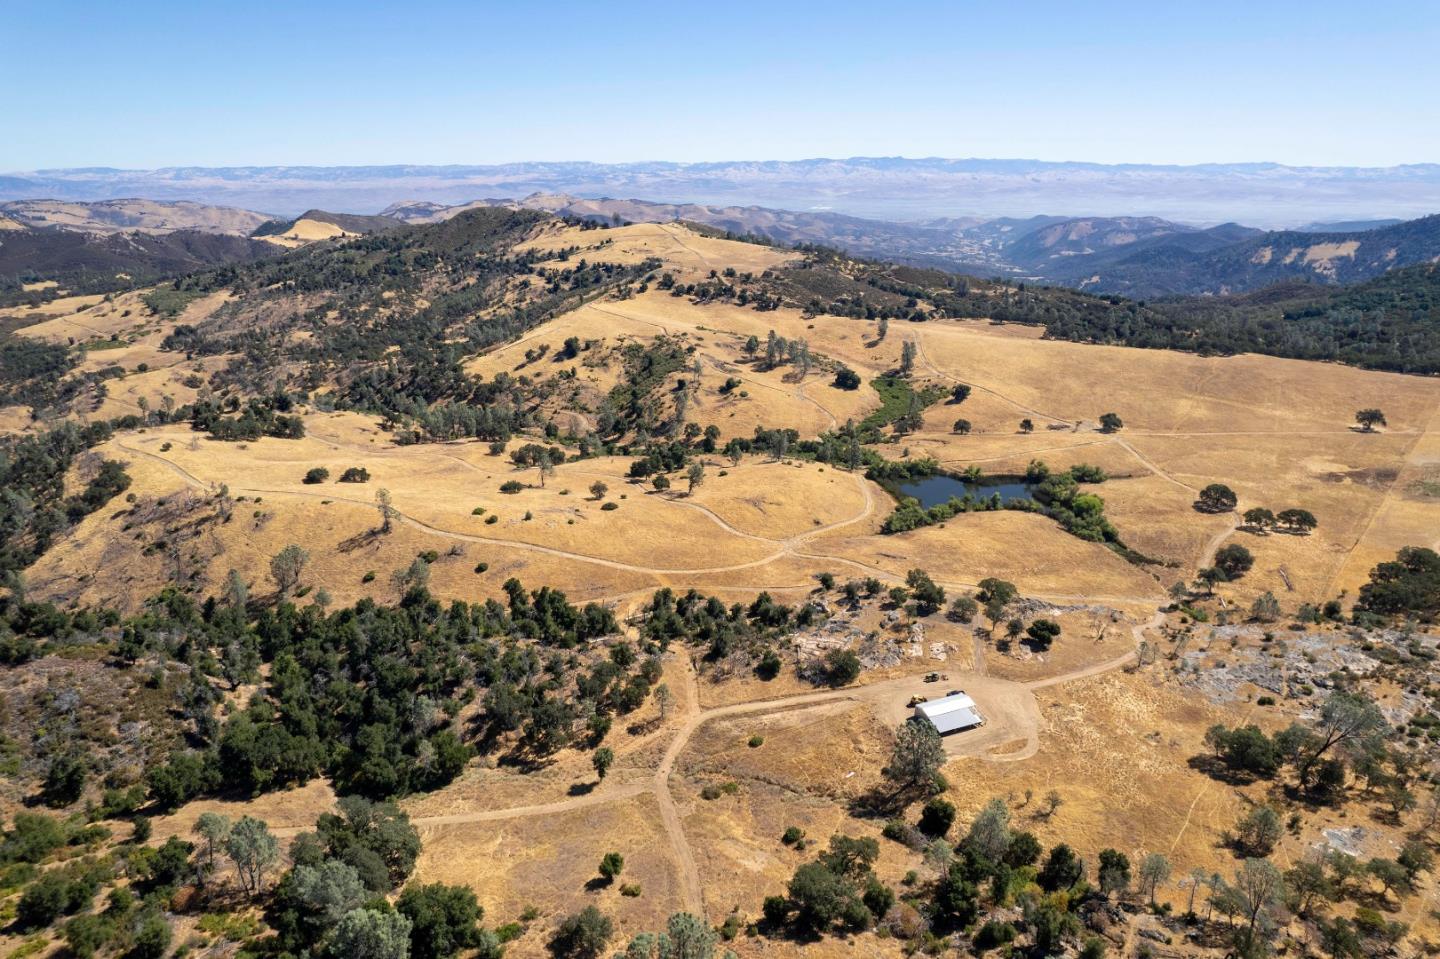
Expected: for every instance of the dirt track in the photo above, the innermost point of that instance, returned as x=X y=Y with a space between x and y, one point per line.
x=785 y=548
x=1012 y=717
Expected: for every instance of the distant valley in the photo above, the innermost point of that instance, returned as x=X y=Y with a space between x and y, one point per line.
x=1137 y=256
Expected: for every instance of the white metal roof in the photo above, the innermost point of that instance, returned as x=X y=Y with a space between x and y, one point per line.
x=950 y=713
x=946 y=704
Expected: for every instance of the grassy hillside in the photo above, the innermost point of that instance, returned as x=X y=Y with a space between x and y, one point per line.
x=1388 y=323
x=1260 y=261
x=91 y=263
x=134 y=214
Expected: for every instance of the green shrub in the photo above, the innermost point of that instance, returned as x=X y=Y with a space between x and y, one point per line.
x=994 y=934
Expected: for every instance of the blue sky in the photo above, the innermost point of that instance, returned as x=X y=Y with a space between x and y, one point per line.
x=145 y=83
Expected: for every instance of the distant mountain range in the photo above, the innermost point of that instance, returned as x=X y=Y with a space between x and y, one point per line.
x=886 y=188
x=1140 y=257
x=133 y=214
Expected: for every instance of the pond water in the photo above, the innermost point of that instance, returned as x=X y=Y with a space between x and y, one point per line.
x=934 y=490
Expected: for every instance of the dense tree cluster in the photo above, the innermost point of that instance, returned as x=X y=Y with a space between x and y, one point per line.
x=368 y=695
x=1388 y=323
x=1409 y=584
x=1350 y=728
x=269 y=416
x=34 y=507
x=701 y=620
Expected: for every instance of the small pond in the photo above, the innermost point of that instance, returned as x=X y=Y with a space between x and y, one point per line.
x=934 y=490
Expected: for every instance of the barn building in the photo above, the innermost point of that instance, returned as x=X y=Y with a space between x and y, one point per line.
x=951 y=714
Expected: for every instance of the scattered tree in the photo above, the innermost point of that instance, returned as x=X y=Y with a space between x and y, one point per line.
x=384 y=504
x=254 y=850
x=611 y=865
x=286 y=567
x=917 y=756
x=1216 y=498
x=1369 y=419
x=583 y=935
x=1114 y=872
x=1234 y=560
x=370 y=934
x=1258 y=831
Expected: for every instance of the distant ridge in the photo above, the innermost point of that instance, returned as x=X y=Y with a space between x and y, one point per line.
x=1349 y=226
x=351 y=223
x=1143 y=257
x=889 y=188
x=83 y=262
x=133 y=214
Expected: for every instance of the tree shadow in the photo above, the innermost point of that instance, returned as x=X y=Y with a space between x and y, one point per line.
x=359 y=540
x=880 y=802
x=1216 y=769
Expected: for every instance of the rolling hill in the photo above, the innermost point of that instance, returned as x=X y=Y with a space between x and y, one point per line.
x=471 y=497
x=134 y=215
x=1144 y=257
x=82 y=262
x=1262 y=260
x=322 y=224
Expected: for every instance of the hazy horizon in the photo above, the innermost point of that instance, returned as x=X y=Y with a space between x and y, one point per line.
x=883 y=188
x=1327 y=84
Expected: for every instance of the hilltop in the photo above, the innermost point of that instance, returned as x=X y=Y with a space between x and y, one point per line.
x=50 y=261
x=134 y=215
x=1266 y=259
x=313 y=225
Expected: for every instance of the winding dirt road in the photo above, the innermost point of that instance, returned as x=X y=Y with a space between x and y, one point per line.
x=998 y=696
x=788 y=547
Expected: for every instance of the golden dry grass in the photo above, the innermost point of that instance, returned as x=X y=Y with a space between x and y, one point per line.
x=682 y=249
x=547 y=861
x=767 y=398
x=60 y=306
x=1116 y=747
x=568 y=541
x=974 y=546
x=305 y=231
x=287 y=811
